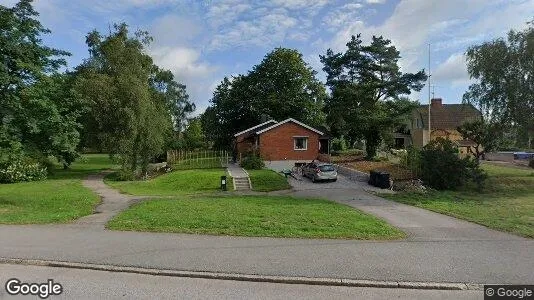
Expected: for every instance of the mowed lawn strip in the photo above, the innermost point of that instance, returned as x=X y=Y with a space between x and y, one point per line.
x=260 y=216
x=59 y=199
x=267 y=180
x=507 y=204
x=174 y=183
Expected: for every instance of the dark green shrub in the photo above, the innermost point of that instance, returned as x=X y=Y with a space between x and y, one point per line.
x=443 y=169
x=349 y=152
x=531 y=163
x=339 y=144
x=411 y=160
x=121 y=175
x=49 y=164
x=126 y=175
x=22 y=170
x=252 y=162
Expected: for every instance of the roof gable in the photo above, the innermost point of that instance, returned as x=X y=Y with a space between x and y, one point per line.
x=257 y=127
x=448 y=116
x=286 y=121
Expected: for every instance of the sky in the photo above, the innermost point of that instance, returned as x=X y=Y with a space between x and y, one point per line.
x=202 y=41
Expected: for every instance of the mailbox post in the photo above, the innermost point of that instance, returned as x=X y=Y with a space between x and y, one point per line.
x=223 y=183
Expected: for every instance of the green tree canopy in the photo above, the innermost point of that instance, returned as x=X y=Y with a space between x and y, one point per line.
x=39 y=110
x=367 y=90
x=133 y=102
x=504 y=74
x=484 y=135
x=280 y=87
x=193 y=135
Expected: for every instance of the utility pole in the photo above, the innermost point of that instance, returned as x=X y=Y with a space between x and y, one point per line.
x=429 y=96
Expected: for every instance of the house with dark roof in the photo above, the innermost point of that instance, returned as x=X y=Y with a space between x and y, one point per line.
x=444 y=121
x=281 y=144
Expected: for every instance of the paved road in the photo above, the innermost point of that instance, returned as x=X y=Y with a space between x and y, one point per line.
x=88 y=284
x=484 y=261
x=420 y=224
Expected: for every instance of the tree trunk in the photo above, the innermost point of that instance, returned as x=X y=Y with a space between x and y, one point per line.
x=372 y=141
x=134 y=154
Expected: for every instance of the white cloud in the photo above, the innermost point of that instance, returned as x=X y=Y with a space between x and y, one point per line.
x=175 y=30
x=106 y=6
x=453 y=70
x=263 y=31
x=299 y=36
x=182 y=61
x=342 y=16
x=451 y=24
x=226 y=12
x=375 y=1
x=261 y=23
x=8 y=3
x=310 y=6
x=185 y=64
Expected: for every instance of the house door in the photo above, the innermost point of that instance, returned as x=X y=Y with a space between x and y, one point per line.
x=323 y=146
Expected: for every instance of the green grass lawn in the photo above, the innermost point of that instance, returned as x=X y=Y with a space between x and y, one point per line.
x=254 y=216
x=59 y=199
x=507 y=204
x=267 y=180
x=174 y=183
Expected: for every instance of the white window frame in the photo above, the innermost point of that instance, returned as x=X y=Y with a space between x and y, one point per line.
x=305 y=143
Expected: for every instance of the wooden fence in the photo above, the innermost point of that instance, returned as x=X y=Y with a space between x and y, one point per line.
x=199 y=159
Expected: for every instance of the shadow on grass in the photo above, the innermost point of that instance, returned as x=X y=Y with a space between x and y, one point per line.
x=88 y=164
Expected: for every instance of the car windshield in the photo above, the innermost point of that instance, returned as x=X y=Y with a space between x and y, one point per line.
x=327 y=168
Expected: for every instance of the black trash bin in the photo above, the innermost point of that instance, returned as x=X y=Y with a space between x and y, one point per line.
x=223 y=183
x=379 y=179
x=372 y=177
x=383 y=180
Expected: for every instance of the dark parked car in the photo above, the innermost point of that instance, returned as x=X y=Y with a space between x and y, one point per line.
x=320 y=172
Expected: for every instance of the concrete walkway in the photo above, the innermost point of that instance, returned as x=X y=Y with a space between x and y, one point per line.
x=240 y=177
x=236 y=171
x=420 y=224
x=112 y=203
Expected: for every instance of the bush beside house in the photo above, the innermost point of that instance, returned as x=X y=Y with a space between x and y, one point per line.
x=443 y=169
x=252 y=162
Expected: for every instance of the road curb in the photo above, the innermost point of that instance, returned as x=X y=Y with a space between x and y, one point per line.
x=247 y=277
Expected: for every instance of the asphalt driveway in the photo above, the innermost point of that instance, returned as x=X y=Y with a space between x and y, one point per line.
x=419 y=224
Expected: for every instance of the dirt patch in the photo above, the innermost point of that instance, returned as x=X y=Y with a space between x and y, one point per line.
x=346 y=158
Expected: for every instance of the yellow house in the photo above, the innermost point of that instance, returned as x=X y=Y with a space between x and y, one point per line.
x=444 y=121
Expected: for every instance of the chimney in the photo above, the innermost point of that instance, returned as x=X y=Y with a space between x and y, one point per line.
x=436 y=102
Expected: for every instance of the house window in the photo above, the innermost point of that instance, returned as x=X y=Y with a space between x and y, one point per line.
x=419 y=123
x=399 y=143
x=300 y=143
